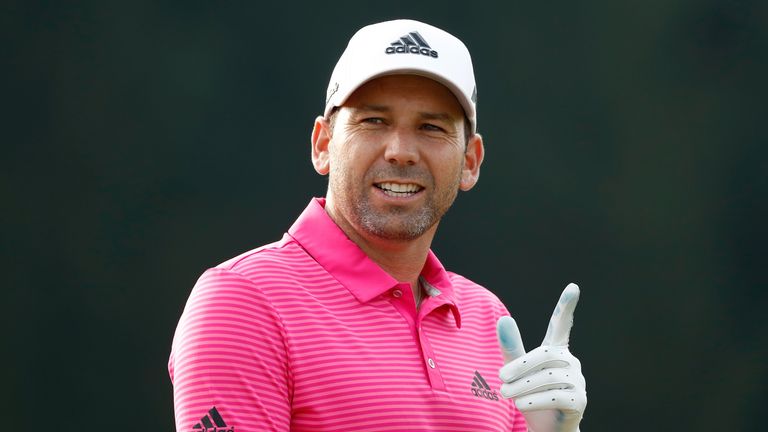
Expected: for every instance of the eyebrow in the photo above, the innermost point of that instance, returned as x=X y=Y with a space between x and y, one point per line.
x=424 y=115
x=377 y=108
x=437 y=116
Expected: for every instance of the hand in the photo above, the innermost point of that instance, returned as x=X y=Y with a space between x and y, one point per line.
x=546 y=383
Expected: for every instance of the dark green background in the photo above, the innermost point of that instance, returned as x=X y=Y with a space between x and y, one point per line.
x=626 y=151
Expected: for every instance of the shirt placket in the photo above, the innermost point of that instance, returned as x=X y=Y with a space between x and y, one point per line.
x=404 y=302
x=431 y=362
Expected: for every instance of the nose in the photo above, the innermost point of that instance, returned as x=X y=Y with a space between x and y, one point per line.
x=401 y=149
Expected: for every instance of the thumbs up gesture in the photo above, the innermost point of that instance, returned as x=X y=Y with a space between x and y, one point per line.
x=546 y=383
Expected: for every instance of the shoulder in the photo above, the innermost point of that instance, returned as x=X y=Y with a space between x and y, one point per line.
x=471 y=288
x=242 y=275
x=470 y=293
x=279 y=271
x=272 y=260
x=238 y=292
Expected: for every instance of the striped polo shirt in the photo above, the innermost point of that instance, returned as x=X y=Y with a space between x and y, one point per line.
x=309 y=334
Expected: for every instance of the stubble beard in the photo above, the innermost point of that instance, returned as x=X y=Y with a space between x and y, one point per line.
x=395 y=222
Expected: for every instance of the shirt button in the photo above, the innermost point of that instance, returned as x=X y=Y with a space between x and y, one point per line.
x=431 y=363
x=396 y=293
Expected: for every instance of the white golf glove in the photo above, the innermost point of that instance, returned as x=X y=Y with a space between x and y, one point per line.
x=546 y=383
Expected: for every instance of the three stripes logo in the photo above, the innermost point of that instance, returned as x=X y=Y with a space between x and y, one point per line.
x=411 y=43
x=212 y=422
x=481 y=389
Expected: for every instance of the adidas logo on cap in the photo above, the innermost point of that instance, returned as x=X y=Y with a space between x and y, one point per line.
x=376 y=50
x=412 y=43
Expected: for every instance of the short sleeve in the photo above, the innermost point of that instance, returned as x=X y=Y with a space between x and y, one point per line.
x=229 y=362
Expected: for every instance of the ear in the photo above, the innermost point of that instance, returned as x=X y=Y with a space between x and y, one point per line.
x=473 y=158
x=321 y=137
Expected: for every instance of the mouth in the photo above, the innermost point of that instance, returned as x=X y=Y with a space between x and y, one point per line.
x=399 y=190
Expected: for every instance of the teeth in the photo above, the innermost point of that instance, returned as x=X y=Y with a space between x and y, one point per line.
x=399 y=188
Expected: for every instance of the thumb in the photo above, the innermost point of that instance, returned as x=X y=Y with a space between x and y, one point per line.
x=559 y=330
x=509 y=339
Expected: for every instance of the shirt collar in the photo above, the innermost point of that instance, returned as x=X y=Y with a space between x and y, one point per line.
x=319 y=235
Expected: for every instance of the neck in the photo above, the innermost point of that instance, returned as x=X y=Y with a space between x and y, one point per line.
x=403 y=263
x=401 y=259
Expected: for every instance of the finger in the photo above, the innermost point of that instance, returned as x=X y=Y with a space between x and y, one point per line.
x=543 y=357
x=563 y=400
x=559 y=329
x=541 y=381
x=510 y=341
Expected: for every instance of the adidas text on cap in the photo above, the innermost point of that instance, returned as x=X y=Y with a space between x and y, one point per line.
x=404 y=47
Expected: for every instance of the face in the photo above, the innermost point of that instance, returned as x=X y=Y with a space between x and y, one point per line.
x=396 y=156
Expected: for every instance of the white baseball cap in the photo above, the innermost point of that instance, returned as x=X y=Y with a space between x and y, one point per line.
x=404 y=47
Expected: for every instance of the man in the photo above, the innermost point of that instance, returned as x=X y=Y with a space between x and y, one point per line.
x=350 y=322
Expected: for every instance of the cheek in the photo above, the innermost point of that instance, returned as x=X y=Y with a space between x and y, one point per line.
x=352 y=159
x=345 y=167
x=450 y=165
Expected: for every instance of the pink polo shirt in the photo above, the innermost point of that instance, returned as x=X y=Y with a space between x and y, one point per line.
x=309 y=334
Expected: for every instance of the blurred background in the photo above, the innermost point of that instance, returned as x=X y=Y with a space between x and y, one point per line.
x=626 y=151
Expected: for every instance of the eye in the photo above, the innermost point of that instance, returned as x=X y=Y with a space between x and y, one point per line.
x=373 y=120
x=432 y=127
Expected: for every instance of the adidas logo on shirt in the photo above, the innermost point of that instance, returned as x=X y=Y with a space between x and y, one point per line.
x=481 y=389
x=212 y=422
x=412 y=43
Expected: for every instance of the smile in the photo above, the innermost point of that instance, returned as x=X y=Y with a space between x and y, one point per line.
x=399 y=189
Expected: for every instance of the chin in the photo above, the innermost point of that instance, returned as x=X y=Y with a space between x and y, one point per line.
x=400 y=231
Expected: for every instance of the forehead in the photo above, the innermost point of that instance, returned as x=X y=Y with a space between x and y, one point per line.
x=406 y=92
